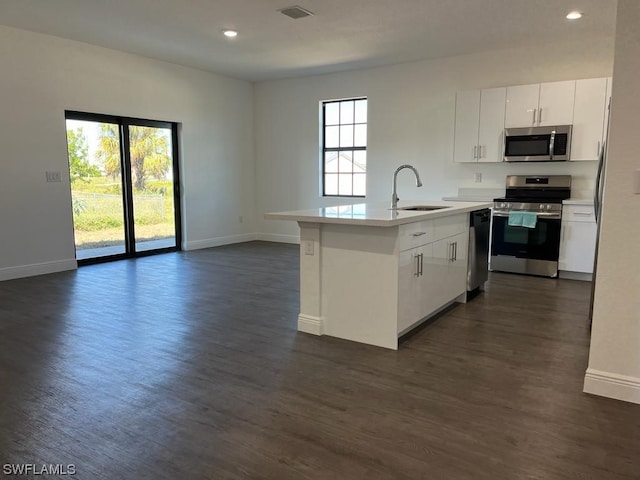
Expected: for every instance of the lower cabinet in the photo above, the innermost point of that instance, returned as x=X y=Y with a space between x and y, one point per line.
x=578 y=239
x=450 y=272
x=433 y=274
x=412 y=285
x=371 y=284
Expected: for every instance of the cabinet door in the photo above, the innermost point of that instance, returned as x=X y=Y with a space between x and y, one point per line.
x=556 y=103
x=450 y=255
x=409 y=286
x=577 y=247
x=588 y=118
x=522 y=105
x=466 y=127
x=427 y=302
x=491 y=129
x=458 y=268
x=449 y=268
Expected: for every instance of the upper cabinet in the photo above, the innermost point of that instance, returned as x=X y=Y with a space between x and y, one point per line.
x=541 y=104
x=479 y=125
x=522 y=106
x=589 y=118
x=482 y=115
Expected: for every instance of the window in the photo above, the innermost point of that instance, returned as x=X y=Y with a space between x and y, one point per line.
x=344 y=148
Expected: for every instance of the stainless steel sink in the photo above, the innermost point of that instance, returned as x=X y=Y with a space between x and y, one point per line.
x=421 y=208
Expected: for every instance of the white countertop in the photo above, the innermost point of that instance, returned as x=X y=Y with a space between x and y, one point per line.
x=578 y=201
x=377 y=214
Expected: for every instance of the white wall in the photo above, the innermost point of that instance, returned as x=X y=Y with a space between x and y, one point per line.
x=411 y=120
x=614 y=360
x=42 y=76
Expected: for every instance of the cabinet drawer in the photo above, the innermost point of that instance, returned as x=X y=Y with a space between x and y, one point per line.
x=448 y=226
x=578 y=213
x=413 y=235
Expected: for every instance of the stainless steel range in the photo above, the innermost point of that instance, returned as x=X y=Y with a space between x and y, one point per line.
x=526 y=224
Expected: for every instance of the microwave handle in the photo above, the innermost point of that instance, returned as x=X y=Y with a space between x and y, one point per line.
x=551 y=144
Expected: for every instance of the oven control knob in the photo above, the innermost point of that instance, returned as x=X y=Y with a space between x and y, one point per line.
x=542 y=206
x=508 y=205
x=548 y=206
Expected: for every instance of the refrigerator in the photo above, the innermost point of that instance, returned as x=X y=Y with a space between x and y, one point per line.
x=598 y=193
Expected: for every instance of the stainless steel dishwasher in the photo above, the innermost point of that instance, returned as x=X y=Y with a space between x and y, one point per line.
x=478 y=266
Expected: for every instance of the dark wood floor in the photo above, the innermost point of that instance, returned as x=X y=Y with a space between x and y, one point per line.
x=189 y=365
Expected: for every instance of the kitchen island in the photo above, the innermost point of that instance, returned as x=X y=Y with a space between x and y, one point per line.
x=370 y=274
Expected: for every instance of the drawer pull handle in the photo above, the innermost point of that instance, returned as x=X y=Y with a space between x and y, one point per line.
x=583 y=214
x=419 y=234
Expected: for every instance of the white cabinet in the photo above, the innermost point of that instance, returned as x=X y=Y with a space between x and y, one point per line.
x=540 y=104
x=372 y=283
x=578 y=239
x=413 y=290
x=415 y=242
x=415 y=234
x=465 y=144
x=589 y=118
x=522 y=106
x=479 y=125
x=449 y=267
x=482 y=115
x=433 y=274
x=491 y=129
x=556 y=103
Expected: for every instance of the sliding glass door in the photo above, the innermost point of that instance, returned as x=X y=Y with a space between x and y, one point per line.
x=152 y=178
x=124 y=186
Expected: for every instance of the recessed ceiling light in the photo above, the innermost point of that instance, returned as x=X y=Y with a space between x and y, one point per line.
x=575 y=15
x=230 y=33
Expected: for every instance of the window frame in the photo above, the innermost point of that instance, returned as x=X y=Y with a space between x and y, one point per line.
x=324 y=149
x=124 y=123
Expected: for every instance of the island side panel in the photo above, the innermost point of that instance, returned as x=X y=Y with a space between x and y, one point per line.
x=310 y=318
x=359 y=289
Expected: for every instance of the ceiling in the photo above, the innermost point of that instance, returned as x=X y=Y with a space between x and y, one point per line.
x=341 y=35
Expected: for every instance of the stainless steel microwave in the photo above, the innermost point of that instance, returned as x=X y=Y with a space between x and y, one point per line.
x=537 y=144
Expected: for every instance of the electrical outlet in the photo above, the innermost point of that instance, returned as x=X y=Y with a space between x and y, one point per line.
x=308 y=247
x=477 y=177
x=54 y=177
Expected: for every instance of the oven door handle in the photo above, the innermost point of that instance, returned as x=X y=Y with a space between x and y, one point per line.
x=545 y=215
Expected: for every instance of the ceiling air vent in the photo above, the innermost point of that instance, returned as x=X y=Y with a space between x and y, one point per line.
x=296 y=12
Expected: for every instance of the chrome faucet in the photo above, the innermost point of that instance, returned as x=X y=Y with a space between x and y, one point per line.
x=394 y=195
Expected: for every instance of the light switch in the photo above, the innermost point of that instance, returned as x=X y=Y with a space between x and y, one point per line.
x=54 y=177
